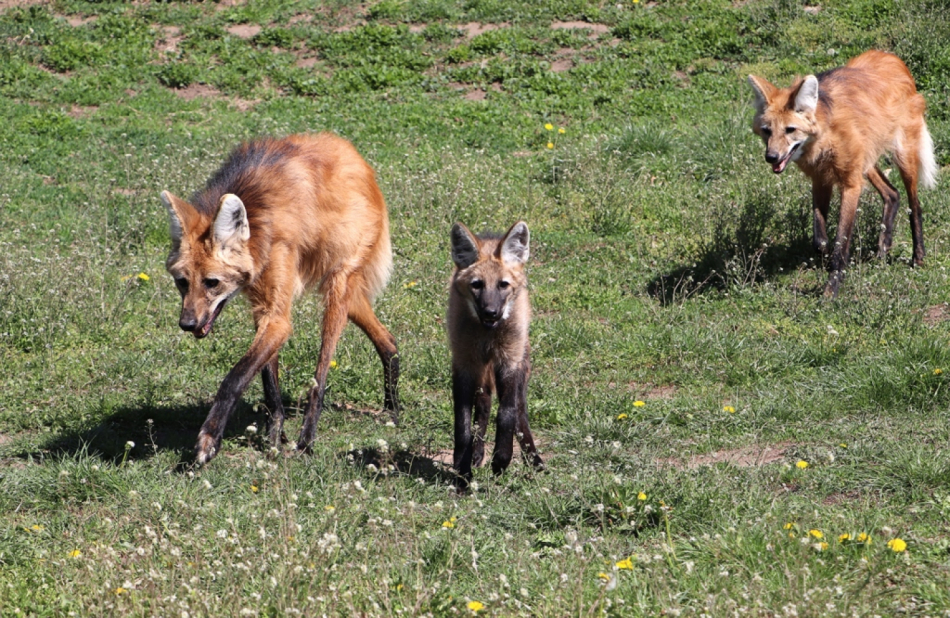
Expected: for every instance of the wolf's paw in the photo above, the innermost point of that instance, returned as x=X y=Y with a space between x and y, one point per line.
x=207 y=448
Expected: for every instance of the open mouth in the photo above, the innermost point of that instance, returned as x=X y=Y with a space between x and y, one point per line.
x=780 y=166
x=201 y=333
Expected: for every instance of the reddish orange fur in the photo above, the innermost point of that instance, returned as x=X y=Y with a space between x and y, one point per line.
x=863 y=110
x=316 y=219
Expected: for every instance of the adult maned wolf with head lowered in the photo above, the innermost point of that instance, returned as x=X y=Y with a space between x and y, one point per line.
x=835 y=126
x=488 y=318
x=281 y=216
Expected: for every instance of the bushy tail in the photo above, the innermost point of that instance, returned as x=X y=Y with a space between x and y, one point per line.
x=927 y=172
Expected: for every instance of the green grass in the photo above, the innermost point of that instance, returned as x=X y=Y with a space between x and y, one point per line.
x=669 y=266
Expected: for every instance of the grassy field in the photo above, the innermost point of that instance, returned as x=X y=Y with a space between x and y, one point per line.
x=718 y=437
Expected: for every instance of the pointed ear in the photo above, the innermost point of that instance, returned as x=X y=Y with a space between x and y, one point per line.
x=763 y=91
x=514 y=246
x=230 y=224
x=464 y=246
x=806 y=100
x=175 y=225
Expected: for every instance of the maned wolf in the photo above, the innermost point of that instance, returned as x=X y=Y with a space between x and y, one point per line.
x=488 y=318
x=836 y=126
x=281 y=216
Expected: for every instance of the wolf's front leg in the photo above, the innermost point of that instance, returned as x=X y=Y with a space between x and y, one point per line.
x=464 y=387
x=268 y=341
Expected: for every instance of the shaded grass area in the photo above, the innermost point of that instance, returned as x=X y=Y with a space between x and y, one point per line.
x=677 y=318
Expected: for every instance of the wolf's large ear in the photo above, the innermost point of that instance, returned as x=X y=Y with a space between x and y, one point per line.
x=174 y=217
x=806 y=100
x=763 y=92
x=514 y=246
x=464 y=246
x=230 y=224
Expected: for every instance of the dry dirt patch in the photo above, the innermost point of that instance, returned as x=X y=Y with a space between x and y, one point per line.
x=171 y=37
x=194 y=91
x=244 y=31
x=9 y=4
x=652 y=391
x=472 y=29
x=596 y=29
x=936 y=314
x=744 y=457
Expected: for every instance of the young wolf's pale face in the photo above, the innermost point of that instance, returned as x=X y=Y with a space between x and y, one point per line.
x=209 y=260
x=491 y=271
x=784 y=119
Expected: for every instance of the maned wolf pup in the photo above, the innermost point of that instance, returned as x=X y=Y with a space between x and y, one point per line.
x=836 y=126
x=280 y=216
x=488 y=318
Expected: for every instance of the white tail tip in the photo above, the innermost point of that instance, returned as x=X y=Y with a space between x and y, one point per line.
x=928 y=165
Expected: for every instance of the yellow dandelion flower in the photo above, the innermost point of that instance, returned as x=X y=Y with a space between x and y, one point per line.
x=641 y=496
x=791 y=535
x=802 y=464
x=334 y=364
x=864 y=537
x=639 y=404
x=822 y=546
x=789 y=526
x=120 y=590
x=550 y=145
x=410 y=284
x=561 y=130
x=938 y=371
x=620 y=417
x=818 y=534
x=549 y=127
x=842 y=538
x=897 y=545
x=254 y=489
x=729 y=409
x=475 y=606
x=636 y=1
x=75 y=553
x=604 y=576
x=625 y=565
x=143 y=277
x=329 y=508
x=842 y=445
x=36 y=528
x=448 y=524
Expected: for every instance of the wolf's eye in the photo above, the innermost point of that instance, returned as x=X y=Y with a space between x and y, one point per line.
x=503 y=285
x=211 y=283
x=181 y=283
x=790 y=130
x=766 y=131
x=478 y=284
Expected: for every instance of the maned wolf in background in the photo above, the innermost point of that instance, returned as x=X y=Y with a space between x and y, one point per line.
x=488 y=317
x=281 y=216
x=836 y=126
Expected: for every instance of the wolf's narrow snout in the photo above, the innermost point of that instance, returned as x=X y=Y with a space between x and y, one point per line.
x=187 y=321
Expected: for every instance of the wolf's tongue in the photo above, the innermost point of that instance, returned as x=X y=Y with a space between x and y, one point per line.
x=779 y=167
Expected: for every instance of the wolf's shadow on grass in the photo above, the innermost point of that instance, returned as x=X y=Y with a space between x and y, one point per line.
x=152 y=428
x=744 y=246
x=403 y=461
